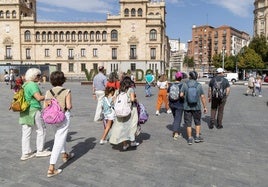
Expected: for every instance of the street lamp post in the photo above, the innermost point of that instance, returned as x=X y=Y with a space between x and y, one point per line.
x=223 y=53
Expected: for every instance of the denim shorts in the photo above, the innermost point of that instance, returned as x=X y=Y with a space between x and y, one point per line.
x=189 y=114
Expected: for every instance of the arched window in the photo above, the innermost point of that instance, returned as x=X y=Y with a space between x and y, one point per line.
x=114 y=35
x=151 y=13
x=68 y=36
x=85 y=36
x=157 y=13
x=56 y=36
x=104 y=36
x=7 y=14
x=133 y=12
x=140 y=12
x=37 y=36
x=98 y=37
x=80 y=36
x=14 y=14
x=126 y=12
x=153 y=34
x=73 y=36
x=49 y=36
x=91 y=36
x=44 y=36
x=61 y=36
x=1 y=14
x=27 y=36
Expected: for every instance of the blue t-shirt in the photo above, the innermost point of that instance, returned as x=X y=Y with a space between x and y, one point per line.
x=200 y=92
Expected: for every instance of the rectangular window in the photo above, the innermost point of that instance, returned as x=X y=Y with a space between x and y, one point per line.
x=8 y=52
x=83 y=66
x=133 y=52
x=83 y=52
x=71 y=67
x=58 y=52
x=95 y=66
x=46 y=52
x=59 y=66
x=153 y=53
x=28 y=53
x=95 y=52
x=133 y=67
x=71 y=54
x=114 y=53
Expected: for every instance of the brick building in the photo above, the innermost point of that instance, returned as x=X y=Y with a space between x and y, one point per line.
x=208 y=41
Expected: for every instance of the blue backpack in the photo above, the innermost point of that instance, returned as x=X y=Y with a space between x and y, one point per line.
x=192 y=94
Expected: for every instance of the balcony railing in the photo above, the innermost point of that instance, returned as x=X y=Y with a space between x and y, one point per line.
x=8 y=57
x=70 y=57
x=132 y=57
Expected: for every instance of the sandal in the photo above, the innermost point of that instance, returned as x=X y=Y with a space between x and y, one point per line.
x=66 y=157
x=52 y=173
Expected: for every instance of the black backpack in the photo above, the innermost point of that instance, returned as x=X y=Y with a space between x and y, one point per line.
x=217 y=89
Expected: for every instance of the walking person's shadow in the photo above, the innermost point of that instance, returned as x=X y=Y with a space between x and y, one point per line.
x=80 y=149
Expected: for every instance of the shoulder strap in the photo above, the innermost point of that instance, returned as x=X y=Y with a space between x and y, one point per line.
x=53 y=93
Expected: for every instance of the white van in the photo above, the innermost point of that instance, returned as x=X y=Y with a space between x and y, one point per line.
x=231 y=77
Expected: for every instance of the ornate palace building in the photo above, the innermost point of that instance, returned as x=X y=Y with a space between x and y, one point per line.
x=133 y=39
x=261 y=18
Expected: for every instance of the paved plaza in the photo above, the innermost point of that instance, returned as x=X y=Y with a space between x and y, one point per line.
x=235 y=156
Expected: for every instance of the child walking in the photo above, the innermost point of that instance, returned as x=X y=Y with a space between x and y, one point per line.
x=108 y=112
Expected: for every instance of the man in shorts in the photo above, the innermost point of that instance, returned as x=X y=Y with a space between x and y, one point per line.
x=193 y=111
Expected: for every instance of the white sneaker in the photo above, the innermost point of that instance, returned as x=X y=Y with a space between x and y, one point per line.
x=169 y=111
x=260 y=95
x=103 y=142
x=44 y=153
x=134 y=144
x=27 y=156
x=157 y=113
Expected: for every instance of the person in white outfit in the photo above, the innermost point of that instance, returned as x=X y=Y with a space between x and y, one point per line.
x=64 y=99
x=31 y=118
x=99 y=84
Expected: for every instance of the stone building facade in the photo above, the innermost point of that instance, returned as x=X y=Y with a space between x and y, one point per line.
x=133 y=39
x=261 y=18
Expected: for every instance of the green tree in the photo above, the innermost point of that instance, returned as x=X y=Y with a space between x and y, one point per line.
x=259 y=45
x=217 y=60
x=249 y=59
x=189 y=62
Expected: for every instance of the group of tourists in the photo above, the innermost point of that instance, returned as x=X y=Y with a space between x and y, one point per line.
x=117 y=129
x=254 y=85
x=117 y=108
x=183 y=98
x=31 y=118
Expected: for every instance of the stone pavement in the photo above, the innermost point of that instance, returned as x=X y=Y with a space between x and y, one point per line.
x=236 y=155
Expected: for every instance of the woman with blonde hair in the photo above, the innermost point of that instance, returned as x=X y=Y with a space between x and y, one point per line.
x=31 y=117
x=162 y=84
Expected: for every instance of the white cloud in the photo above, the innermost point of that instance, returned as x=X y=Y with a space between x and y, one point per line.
x=242 y=8
x=97 y=6
x=238 y=7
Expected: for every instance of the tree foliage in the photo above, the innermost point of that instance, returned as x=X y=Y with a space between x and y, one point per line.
x=189 y=62
x=259 y=45
x=249 y=59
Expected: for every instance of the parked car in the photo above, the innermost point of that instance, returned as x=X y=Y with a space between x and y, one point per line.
x=265 y=79
x=232 y=77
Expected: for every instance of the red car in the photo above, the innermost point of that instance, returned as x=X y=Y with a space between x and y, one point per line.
x=265 y=79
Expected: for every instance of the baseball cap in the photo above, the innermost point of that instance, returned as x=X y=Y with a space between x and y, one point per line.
x=220 y=70
x=178 y=75
x=101 y=68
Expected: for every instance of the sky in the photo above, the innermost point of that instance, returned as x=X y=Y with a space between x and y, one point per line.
x=181 y=14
